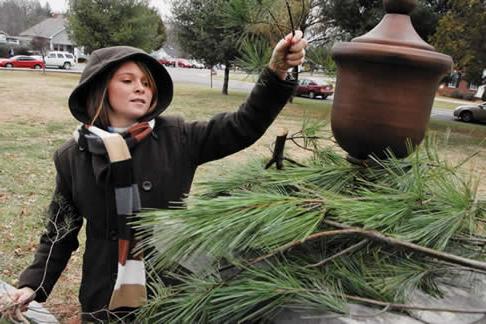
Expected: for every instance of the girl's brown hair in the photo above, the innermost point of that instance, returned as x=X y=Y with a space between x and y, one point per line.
x=97 y=103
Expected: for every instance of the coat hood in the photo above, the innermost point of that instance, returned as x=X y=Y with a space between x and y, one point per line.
x=101 y=61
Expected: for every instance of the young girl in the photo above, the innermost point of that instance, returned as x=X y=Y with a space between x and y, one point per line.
x=124 y=157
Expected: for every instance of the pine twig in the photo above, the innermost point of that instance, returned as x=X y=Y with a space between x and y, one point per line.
x=473 y=240
x=300 y=146
x=290 y=17
x=306 y=137
x=294 y=162
x=276 y=23
x=377 y=236
x=293 y=244
x=350 y=249
x=284 y=248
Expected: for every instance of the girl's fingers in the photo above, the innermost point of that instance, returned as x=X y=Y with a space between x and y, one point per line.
x=295 y=56
x=297 y=47
x=297 y=37
x=291 y=40
x=282 y=46
x=295 y=62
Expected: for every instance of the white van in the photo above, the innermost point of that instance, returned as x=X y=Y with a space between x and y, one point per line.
x=63 y=60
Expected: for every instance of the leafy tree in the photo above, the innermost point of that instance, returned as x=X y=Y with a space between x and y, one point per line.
x=18 y=15
x=96 y=24
x=201 y=33
x=321 y=56
x=354 y=18
x=461 y=33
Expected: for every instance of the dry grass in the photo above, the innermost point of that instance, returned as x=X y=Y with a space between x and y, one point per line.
x=35 y=120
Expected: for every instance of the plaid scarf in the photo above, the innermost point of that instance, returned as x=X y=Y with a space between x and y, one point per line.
x=130 y=286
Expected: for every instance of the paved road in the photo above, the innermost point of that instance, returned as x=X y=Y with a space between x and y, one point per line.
x=202 y=77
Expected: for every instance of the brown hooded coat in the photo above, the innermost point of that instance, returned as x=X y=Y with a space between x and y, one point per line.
x=164 y=167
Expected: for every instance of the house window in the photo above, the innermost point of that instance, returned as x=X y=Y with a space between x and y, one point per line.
x=454 y=80
x=473 y=86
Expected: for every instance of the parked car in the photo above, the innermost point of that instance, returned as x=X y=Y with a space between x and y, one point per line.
x=196 y=64
x=22 y=61
x=167 y=61
x=183 y=63
x=471 y=112
x=312 y=89
x=63 y=60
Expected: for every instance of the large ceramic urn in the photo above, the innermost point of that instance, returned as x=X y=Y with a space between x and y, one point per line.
x=386 y=83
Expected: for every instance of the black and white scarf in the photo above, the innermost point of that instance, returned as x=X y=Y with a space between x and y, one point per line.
x=130 y=287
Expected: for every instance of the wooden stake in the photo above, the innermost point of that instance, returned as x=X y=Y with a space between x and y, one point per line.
x=278 y=151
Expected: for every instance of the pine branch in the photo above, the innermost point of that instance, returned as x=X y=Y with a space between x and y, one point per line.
x=377 y=236
x=408 y=208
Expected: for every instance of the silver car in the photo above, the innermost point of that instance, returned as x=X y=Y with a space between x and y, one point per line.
x=472 y=112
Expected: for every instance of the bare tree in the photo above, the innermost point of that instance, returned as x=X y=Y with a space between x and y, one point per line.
x=40 y=44
x=18 y=15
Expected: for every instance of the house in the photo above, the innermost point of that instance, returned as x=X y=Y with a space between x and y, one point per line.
x=54 y=30
x=481 y=94
x=6 y=39
x=458 y=87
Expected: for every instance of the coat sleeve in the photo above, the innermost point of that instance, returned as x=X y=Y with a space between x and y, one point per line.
x=57 y=242
x=227 y=133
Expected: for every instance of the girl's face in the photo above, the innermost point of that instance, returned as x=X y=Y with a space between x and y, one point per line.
x=129 y=95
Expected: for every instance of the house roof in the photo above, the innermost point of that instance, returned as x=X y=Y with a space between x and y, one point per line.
x=46 y=28
x=62 y=38
x=52 y=28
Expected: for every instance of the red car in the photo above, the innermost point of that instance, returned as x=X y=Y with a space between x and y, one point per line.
x=312 y=89
x=167 y=61
x=22 y=61
x=183 y=63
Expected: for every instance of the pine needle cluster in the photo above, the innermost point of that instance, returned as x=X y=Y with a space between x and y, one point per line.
x=314 y=237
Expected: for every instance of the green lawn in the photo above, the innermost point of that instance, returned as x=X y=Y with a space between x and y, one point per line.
x=438 y=103
x=35 y=120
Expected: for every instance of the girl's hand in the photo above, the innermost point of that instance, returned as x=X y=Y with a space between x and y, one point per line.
x=12 y=303
x=289 y=52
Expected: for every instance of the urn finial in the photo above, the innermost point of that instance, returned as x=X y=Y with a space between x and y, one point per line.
x=404 y=7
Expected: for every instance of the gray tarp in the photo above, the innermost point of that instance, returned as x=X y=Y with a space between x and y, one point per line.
x=461 y=291
x=36 y=313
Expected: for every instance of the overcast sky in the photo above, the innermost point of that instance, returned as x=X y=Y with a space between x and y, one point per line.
x=61 y=5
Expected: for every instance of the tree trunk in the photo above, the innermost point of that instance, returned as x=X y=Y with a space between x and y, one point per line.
x=211 y=75
x=226 y=78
